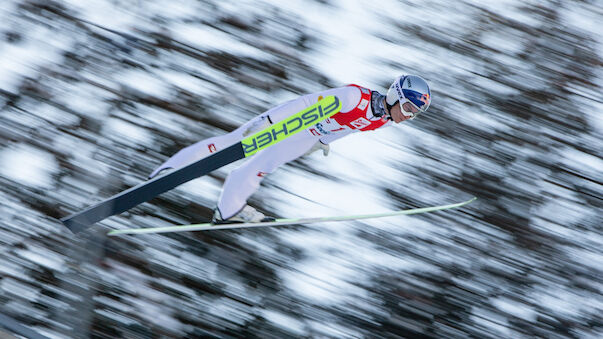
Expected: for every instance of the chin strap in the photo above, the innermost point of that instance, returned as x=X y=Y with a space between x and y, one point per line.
x=389 y=109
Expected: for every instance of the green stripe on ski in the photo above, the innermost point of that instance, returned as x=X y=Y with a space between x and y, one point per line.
x=283 y=222
x=269 y=136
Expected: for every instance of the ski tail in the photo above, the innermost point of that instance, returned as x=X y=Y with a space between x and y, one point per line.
x=138 y=194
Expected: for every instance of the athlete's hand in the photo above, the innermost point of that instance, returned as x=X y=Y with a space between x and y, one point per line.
x=317 y=146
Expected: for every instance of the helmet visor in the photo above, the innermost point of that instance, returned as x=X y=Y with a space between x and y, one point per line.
x=420 y=100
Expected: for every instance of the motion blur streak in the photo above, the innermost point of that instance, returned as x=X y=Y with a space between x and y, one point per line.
x=95 y=94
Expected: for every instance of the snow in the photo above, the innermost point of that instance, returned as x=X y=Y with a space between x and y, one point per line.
x=17 y=288
x=342 y=30
x=123 y=131
x=151 y=312
x=32 y=122
x=177 y=9
x=355 y=42
x=115 y=316
x=232 y=310
x=585 y=19
x=515 y=308
x=12 y=269
x=495 y=88
x=145 y=82
x=323 y=283
x=44 y=258
x=17 y=60
x=117 y=15
x=333 y=330
x=493 y=323
x=28 y=166
x=583 y=161
x=83 y=100
x=81 y=152
x=284 y=321
x=54 y=115
x=329 y=276
x=207 y=38
x=207 y=189
x=188 y=82
x=566 y=302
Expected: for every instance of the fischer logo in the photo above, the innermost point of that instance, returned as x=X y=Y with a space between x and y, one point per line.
x=211 y=147
x=291 y=125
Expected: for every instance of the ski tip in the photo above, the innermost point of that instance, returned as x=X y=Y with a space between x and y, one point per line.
x=467 y=202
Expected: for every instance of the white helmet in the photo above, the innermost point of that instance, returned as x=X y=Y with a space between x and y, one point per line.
x=412 y=89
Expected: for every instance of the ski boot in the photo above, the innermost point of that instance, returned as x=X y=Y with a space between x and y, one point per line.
x=247 y=215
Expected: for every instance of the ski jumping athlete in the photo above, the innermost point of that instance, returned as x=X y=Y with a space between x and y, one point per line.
x=362 y=110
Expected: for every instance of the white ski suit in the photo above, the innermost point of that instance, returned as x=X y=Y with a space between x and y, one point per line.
x=356 y=115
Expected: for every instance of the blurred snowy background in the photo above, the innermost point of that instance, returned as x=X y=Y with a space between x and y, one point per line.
x=94 y=94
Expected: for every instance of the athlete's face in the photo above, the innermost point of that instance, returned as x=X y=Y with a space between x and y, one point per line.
x=396 y=112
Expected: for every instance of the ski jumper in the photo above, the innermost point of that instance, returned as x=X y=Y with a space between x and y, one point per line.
x=356 y=115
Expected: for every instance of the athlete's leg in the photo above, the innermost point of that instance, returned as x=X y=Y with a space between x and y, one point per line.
x=243 y=181
x=204 y=148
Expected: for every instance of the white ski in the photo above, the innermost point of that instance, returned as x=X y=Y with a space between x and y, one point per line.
x=284 y=222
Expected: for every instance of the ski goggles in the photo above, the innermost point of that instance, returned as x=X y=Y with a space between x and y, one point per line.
x=408 y=109
x=414 y=103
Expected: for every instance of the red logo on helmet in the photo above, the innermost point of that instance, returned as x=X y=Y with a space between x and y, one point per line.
x=425 y=99
x=211 y=147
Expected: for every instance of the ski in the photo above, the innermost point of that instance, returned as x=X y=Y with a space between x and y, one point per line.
x=284 y=222
x=143 y=192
